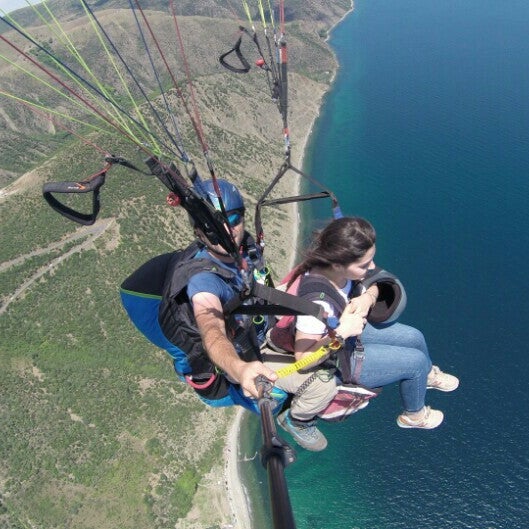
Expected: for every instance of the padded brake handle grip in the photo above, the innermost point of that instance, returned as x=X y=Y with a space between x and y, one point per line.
x=91 y=185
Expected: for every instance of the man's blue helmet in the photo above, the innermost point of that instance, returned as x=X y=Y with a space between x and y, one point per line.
x=231 y=197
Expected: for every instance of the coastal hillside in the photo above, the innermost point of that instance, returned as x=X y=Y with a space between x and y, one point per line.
x=96 y=430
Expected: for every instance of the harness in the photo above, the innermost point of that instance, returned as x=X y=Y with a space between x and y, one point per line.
x=281 y=337
x=156 y=300
x=310 y=288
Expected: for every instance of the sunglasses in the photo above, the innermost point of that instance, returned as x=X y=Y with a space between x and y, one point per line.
x=235 y=218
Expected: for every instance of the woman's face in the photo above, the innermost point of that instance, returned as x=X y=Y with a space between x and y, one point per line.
x=357 y=270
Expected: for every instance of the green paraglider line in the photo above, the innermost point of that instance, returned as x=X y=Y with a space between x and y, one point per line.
x=72 y=91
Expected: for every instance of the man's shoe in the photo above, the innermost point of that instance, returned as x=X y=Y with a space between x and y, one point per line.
x=305 y=433
x=441 y=381
x=430 y=419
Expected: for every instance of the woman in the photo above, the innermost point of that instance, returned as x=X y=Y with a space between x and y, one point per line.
x=343 y=253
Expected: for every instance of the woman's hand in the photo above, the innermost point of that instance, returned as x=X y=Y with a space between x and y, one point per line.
x=365 y=302
x=362 y=304
x=352 y=322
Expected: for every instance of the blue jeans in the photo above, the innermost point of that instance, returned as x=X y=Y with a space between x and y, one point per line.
x=396 y=353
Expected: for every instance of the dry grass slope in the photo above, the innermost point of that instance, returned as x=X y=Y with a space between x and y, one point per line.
x=96 y=430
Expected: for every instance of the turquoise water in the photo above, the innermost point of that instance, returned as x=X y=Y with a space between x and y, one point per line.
x=426 y=133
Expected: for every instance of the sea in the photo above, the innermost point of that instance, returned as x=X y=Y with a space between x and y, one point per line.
x=425 y=132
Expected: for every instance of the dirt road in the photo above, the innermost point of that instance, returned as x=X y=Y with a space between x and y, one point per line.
x=86 y=234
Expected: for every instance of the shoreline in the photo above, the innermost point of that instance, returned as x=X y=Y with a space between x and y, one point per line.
x=304 y=145
x=240 y=511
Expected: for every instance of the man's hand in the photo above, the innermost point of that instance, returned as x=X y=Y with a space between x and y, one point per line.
x=247 y=372
x=210 y=322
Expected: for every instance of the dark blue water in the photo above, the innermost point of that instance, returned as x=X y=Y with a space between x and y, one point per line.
x=426 y=133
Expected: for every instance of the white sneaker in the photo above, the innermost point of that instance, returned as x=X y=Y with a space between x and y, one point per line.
x=430 y=419
x=441 y=381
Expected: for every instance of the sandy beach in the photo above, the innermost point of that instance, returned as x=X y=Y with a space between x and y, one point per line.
x=236 y=498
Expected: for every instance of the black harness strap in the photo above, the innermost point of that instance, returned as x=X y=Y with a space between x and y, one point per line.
x=277 y=303
x=263 y=201
x=237 y=50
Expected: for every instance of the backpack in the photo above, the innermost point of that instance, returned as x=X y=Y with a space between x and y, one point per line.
x=311 y=288
x=156 y=301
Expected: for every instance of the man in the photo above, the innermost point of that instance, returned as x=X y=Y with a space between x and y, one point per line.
x=208 y=293
x=177 y=301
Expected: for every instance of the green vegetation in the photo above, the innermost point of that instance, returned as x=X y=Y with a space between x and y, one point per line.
x=97 y=432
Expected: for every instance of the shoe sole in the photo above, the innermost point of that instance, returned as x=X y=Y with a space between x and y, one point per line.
x=358 y=390
x=446 y=390
x=406 y=425
x=403 y=424
x=342 y=415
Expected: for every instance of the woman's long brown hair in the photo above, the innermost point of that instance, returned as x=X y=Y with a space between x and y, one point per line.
x=342 y=241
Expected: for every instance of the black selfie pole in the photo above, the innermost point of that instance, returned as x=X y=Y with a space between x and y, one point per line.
x=276 y=454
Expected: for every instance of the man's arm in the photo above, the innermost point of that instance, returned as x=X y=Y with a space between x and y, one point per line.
x=210 y=322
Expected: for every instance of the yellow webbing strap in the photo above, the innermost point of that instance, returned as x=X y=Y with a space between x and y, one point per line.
x=308 y=360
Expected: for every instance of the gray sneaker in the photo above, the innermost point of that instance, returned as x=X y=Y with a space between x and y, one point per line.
x=305 y=433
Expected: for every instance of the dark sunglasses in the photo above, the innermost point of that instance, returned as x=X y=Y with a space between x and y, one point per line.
x=235 y=218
